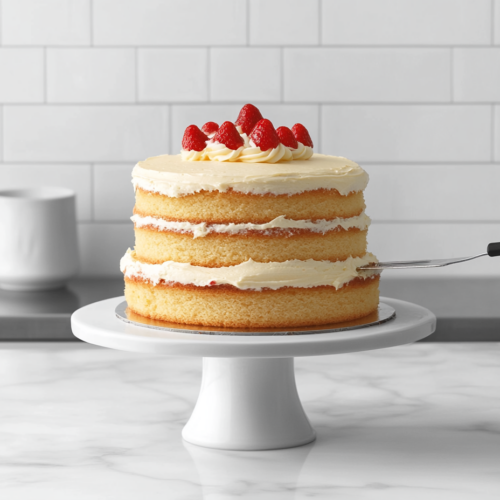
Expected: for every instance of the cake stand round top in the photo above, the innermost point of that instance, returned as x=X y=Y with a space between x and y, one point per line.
x=97 y=324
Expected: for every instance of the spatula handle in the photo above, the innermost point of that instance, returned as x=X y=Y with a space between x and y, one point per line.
x=494 y=249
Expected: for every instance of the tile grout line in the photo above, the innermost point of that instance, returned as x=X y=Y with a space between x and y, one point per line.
x=282 y=74
x=320 y=141
x=2 y=135
x=438 y=163
x=452 y=64
x=388 y=163
x=247 y=23
x=209 y=74
x=170 y=131
x=45 y=75
x=92 y=194
x=492 y=153
x=136 y=55
x=492 y=41
x=263 y=46
x=434 y=163
x=320 y=18
x=121 y=222
x=434 y=221
x=91 y=22
x=131 y=104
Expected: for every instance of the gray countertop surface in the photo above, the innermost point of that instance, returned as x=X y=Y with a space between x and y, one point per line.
x=466 y=308
x=406 y=423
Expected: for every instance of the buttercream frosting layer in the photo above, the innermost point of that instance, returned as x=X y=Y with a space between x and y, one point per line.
x=170 y=176
x=251 y=275
x=361 y=222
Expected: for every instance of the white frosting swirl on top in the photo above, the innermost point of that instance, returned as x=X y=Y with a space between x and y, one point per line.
x=202 y=229
x=251 y=275
x=254 y=154
x=302 y=152
x=248 y=153
x=219 y=152
x=192 y=155
x=170 y=176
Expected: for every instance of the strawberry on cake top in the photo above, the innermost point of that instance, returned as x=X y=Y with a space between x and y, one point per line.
x=251 y=139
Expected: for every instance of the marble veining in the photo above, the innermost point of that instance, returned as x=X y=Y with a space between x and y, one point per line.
x=412 y=422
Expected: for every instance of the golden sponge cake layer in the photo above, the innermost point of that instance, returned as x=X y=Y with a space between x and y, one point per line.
x=227 y=306
x=217 y=250
x=215 y=207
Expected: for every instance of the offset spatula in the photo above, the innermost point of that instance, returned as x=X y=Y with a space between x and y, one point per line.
x=493 y=250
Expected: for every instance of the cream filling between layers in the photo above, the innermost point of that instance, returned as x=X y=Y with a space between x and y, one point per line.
x=251 y=275
x=361 y=222
x=170 y=176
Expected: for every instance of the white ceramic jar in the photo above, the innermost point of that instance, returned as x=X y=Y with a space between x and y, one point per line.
x=38 y=238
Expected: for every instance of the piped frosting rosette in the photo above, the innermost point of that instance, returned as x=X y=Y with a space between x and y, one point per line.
x=302 y=152
x=215 y=151
x=253 y=154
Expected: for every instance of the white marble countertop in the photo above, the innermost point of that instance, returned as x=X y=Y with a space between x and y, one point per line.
x=414 y=422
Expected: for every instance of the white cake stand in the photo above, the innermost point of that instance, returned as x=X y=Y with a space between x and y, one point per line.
x=248 y=398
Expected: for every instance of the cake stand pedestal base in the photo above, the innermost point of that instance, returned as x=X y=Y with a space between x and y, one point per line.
x=248 y=404
x=248 y=398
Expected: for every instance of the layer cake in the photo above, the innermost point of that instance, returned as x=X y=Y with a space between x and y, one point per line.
x=249 y=244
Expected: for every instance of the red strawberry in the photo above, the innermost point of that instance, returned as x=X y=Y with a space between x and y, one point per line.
x=302 y=135
x=194 y=139
x=248 y=117
x=287 y=138
x=210 y=128
x=264 y=136
x=229 y=136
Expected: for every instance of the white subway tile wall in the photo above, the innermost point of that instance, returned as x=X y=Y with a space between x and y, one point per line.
x=22 y=75
x=476 y=73
x=169 y=22
x=496 y=21
x=297 y=19
x=409 y=88
x=102 y=246
x=424 y=240
x=406 y=22
x=411 y=133
x=46 y=22
x=424 y=192
x=90 y=75
x=367 y=75
x=245 y=74
x=178 y=75
x=84 y=133
x=112 y=182
x=496 y=133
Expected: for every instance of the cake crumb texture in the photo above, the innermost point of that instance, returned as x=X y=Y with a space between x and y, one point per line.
x=226 y=306
x=215 y=207
x=217 y=250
